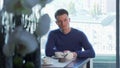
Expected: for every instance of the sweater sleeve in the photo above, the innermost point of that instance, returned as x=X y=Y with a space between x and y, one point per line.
x=50 y=45
x=88 y=51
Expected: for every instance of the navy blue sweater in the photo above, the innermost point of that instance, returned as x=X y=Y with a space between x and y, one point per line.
x=74 y=41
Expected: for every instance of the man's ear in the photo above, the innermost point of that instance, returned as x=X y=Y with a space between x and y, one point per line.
x=56 y=22
x=69 y=19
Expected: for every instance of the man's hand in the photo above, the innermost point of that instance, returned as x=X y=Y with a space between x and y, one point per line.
x=74 y=54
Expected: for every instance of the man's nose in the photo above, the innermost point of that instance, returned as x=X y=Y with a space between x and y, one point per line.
x=62 y=23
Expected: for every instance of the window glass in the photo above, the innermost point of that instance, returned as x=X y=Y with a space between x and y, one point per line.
x=97 y=18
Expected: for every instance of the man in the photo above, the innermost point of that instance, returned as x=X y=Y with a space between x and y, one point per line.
x=68 y=39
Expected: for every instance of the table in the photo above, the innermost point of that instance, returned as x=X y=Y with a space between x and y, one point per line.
x=75 y=63
x=79 y=63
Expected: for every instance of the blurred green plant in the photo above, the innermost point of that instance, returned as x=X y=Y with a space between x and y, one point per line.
x=18 y=62
x=29 y=65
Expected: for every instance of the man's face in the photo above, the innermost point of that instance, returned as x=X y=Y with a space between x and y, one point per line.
x=63 y=21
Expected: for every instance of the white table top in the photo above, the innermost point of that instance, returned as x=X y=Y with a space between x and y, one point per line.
x=54 y=63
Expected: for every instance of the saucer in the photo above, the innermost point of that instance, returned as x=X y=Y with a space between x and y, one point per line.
x=46 y=64
x=54 y=57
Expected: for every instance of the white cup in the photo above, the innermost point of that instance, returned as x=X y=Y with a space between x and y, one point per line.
x=59 y=54
x=46 y=60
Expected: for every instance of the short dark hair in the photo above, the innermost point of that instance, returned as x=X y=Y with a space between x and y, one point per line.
x=60 y=12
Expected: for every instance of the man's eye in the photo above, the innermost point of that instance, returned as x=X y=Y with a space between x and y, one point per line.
x=59 y=21
x=66 y=20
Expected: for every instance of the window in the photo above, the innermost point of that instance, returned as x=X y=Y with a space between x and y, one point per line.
x=97 y=18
